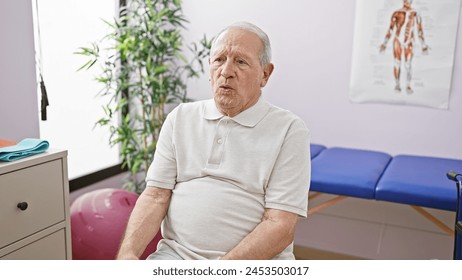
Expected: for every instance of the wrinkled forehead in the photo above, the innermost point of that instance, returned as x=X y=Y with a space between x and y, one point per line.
x=407 y=1
x=237 y=38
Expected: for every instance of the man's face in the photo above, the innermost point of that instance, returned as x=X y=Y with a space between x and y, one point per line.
x=236 y=74
x=407 y=3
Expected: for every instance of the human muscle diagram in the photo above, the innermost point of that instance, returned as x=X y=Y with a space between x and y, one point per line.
x=404 y=23
x=403 y=51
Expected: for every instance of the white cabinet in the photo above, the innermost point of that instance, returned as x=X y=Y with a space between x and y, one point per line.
x=34 y=208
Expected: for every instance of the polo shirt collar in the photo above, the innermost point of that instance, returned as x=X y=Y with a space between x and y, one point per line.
x=210 y=111
x=249 y=117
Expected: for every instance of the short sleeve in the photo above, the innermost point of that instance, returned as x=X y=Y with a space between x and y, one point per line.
x=289 y=182
x=162 y=172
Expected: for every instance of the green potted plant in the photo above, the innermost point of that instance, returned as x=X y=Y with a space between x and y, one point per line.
x=145 y=72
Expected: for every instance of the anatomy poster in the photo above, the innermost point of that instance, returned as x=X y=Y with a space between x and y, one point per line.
x=403 y=51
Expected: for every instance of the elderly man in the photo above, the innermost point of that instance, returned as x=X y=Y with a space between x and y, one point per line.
x=230 y=176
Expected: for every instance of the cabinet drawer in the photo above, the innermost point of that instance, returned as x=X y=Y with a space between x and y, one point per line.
x=41 y=187
x=51 y=247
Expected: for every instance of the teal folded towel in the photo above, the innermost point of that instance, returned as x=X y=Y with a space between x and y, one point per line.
x=27 y=147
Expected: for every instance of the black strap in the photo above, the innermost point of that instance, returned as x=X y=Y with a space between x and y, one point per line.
x=44 y=102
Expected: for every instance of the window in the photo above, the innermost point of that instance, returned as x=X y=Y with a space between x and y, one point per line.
x=64 y=26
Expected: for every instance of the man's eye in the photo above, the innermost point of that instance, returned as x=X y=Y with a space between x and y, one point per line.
x=218 y=59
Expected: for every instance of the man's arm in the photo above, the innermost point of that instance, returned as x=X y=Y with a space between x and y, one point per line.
x=268 y=239
x=144 y=223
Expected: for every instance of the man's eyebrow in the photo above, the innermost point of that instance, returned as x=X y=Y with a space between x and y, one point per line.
x=242 y=55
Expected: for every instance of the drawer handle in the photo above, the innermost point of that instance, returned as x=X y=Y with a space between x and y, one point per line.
x=23 y=206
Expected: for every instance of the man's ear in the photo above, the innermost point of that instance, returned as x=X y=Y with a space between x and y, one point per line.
x=267 y=70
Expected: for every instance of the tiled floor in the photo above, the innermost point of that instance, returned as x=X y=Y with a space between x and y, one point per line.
x=375 y=230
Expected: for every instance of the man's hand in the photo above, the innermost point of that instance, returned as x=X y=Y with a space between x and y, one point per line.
x=122 y=256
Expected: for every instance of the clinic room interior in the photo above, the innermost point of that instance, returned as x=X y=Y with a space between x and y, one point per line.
x=384 y=151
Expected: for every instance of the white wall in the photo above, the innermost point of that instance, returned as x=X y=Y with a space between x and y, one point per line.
x=312 y=48
x=18 y=86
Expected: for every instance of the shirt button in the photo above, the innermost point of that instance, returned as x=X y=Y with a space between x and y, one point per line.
x=220 y=141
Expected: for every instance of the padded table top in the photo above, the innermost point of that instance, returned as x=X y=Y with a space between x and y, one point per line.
x=420 y=181
x=349 y=172
x=315 y=149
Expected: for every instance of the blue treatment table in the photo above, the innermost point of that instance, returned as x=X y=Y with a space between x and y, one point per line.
x=420 y=181
x=348 y=172
x=417 y=181
x=315 y=149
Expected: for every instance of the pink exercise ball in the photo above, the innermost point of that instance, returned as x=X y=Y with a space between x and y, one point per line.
x=98 y=221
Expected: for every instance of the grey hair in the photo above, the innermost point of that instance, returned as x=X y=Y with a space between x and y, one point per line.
x=265 y=54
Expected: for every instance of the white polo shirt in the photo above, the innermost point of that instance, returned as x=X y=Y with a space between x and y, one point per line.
x=225 y=171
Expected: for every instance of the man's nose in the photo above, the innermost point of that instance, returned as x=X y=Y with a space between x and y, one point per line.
x=228 y=70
